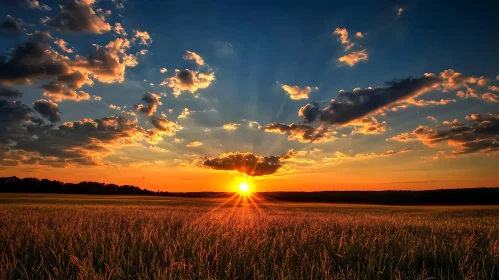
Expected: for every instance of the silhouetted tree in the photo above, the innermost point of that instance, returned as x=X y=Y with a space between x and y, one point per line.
x=471 y=196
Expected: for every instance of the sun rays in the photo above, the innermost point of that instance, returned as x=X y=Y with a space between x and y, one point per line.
x=243 y=204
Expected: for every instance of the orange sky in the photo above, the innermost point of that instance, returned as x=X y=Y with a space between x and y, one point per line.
x=176 y=179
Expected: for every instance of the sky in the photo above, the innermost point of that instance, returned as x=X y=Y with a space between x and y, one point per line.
x=287 y=96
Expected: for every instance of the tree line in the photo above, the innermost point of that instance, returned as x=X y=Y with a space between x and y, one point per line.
x=34 y=185
x=468 y=196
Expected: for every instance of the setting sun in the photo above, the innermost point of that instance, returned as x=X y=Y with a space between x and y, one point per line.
x=244 y=188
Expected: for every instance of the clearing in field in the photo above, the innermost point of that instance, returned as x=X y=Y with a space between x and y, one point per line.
x=118 y=237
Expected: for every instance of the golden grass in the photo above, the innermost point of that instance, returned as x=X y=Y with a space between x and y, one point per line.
x=79 y=237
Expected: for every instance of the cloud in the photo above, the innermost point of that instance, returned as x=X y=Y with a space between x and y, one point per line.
x=490 y=97
x=10 y=24
x=142 y=37
x=163 y=70
x=188 y=80
x=442 y=155
x=341 y=157
x=343 y=38
x=59 y=92
x=48 y=110
x=368 y=126
x=353 y=58
x=10 y=93
x=394 y=152
x=469 y=93
x=297 y=93
x=28 y=140
x=194 y=56
x=253 y=124
x=359 y=103
x=13 y=116
x=166 y=127
x=399 y=11
x=479 y=134
x=184 y=114
x=114 y=107
x=494 y=88
x=452 y=80
x=118 y=29
x=63 y=45
x=418 y=103
x=432 y=118
x=455 y=122
x=84 y=142
x=152 y=101
x=194 y=144
x=424 y=103
x=246 y=163
x=107 y=64
x=231 y=126
x=26 y=4
x=301 y=132
x=79 y=17
x=35 y=60
x=403 y=137
x=65 y=87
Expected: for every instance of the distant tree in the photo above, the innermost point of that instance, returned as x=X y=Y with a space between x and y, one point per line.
x=34 y=185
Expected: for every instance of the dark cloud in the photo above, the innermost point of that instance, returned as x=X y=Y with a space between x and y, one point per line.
x=26 y=4
x=32 y=61
x=48 y=110
x=10 y=24
x=300 y=132
x=84 y=142
x=246 y=163
x=152 y=101
x=36 y=60
x=27 y=139
x=361 y=102
x=10 y=93
x=480 y=133
x=74 y=80
x=59 y=91
x=13 y=117
x=164 y=125
x=78 y=16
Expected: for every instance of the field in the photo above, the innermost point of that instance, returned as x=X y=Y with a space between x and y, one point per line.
x=118 y=237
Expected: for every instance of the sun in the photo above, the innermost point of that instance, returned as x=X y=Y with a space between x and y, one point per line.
x=244 y=188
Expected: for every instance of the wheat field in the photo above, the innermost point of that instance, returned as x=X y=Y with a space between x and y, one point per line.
x=107 y=237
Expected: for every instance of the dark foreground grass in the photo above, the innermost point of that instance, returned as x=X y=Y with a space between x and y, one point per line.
x=91 y=237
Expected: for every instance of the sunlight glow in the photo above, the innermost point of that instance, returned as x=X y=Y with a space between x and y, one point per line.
x=244 y=188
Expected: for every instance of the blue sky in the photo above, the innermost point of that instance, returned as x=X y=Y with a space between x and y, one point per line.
x=253 y=50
